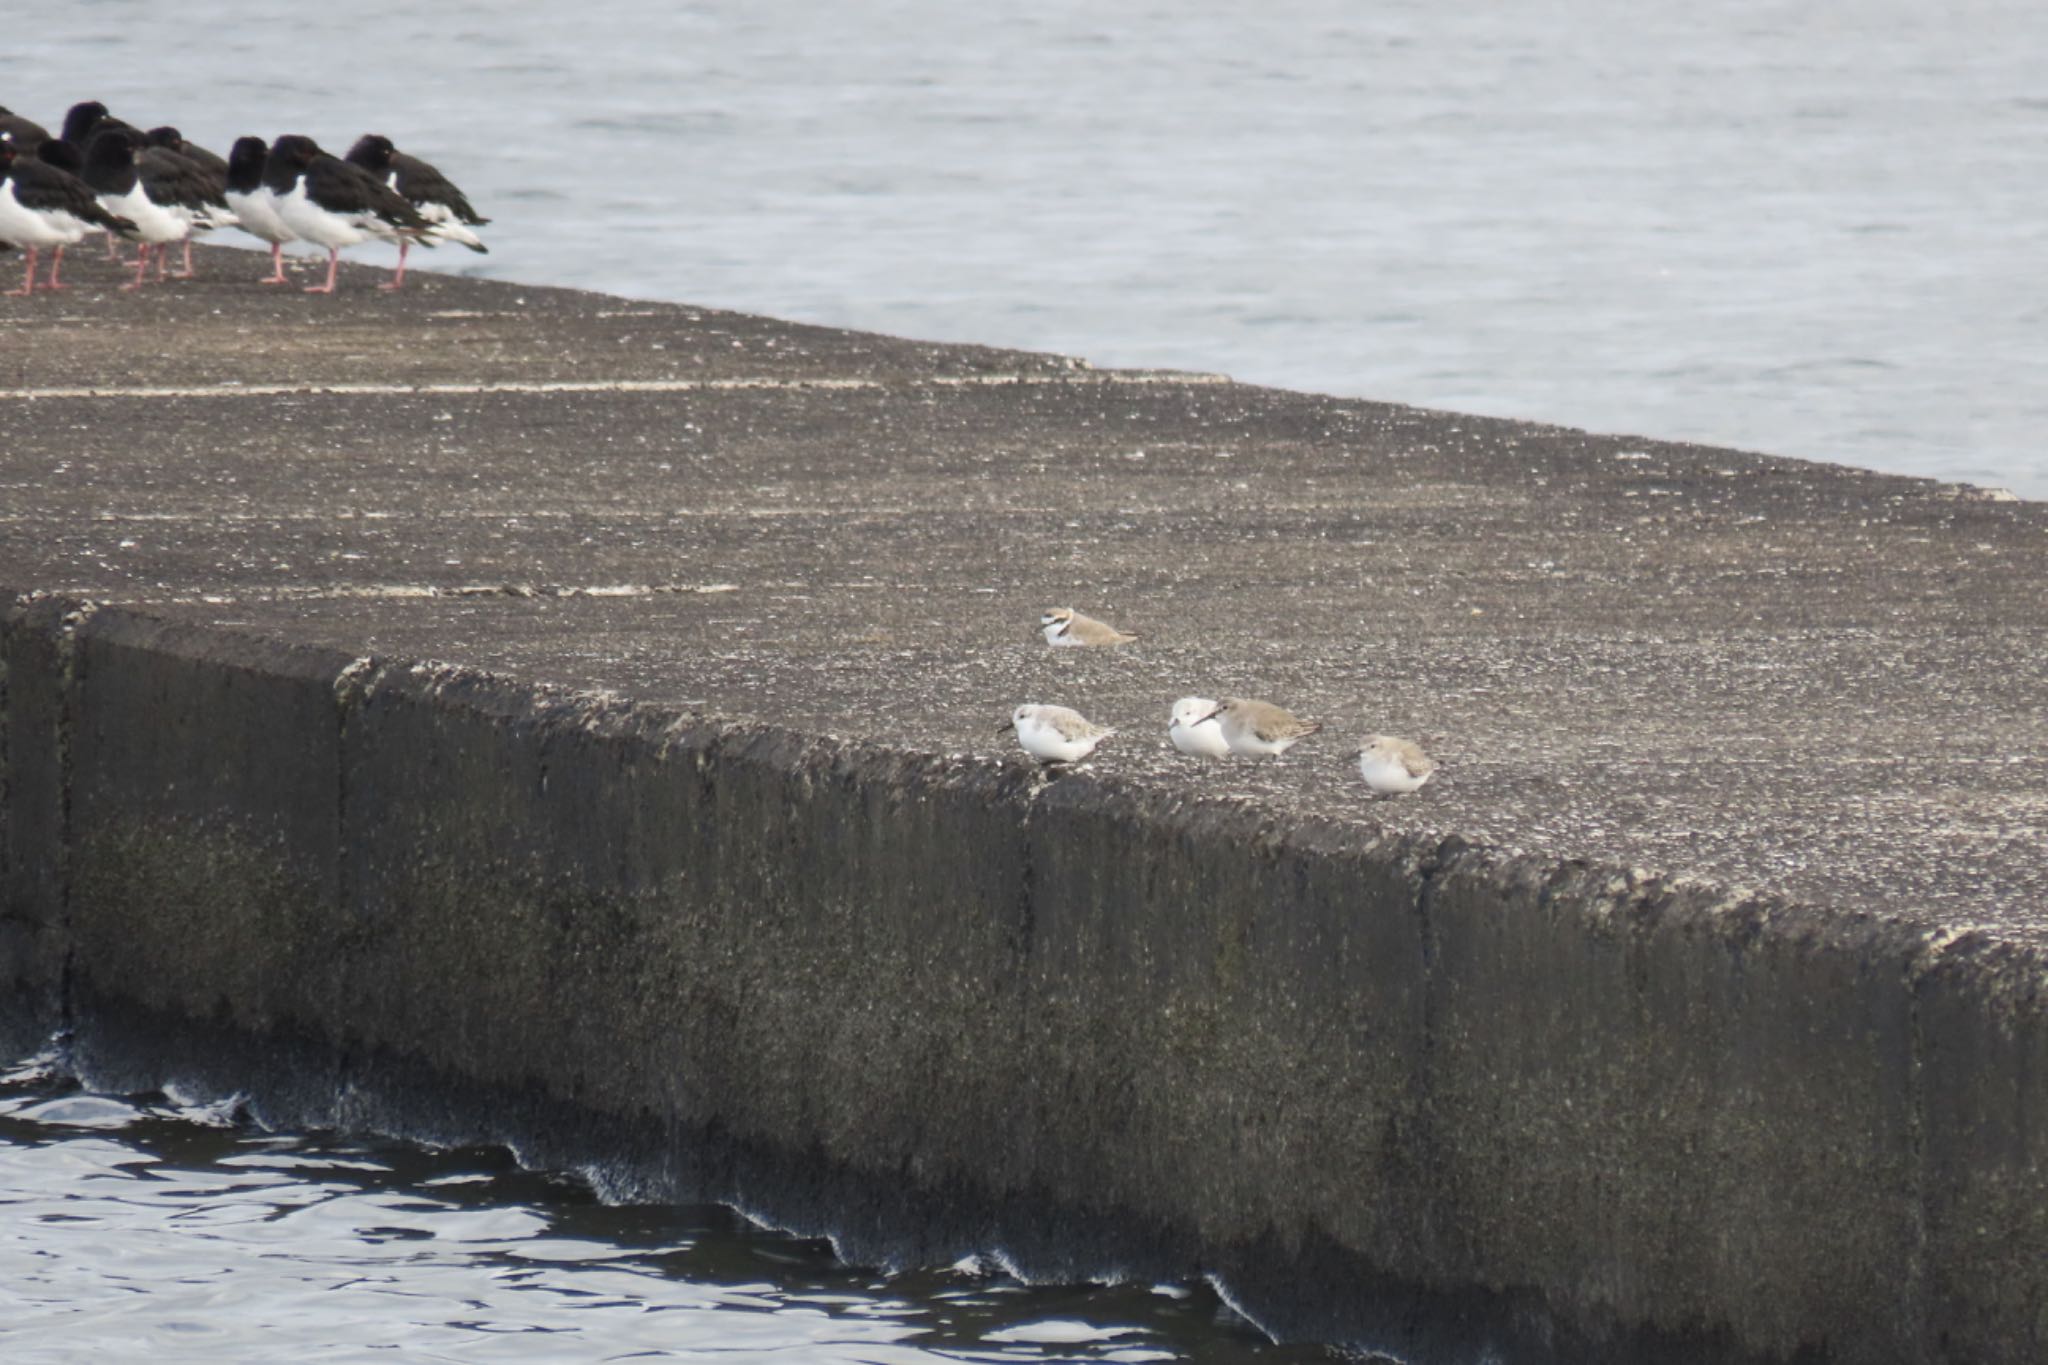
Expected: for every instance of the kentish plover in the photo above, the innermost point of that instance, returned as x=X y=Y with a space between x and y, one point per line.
x=1065 y=626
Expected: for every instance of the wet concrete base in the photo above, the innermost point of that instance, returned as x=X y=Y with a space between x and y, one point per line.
x=1311 y=1290
x=1402 y=1092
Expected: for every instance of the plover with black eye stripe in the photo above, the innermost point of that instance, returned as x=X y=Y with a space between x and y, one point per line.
x=1391 y=766
x=1065 y=626
x=1194 y=729
x=1259 y=729
x=1056 y=734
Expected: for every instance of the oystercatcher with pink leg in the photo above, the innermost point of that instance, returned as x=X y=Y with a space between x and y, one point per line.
x=63 y=156
x=111 y=170
x=45 y=206
x=327 y=201
x=433 y=194
x=187 y=187
x=254 y=207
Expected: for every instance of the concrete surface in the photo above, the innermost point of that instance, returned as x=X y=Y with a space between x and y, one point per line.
x=1696 y=1009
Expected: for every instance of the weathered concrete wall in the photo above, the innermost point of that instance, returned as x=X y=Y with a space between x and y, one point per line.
x=1400 y=1091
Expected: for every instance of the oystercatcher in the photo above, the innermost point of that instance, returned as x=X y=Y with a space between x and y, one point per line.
x=113 y=172
x=436 y=197
x=45 y=205
x=193 y=184
x=253 y=204
x=335 y=204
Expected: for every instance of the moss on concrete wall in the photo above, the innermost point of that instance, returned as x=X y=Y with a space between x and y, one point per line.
x=1421 y=1095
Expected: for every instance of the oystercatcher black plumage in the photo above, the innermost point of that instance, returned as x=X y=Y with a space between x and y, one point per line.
x=53 y=151
x=330 y=202
x=84 y=120
x=25 y=133
x=41 y=205
x=253 y=203
x=215 y=166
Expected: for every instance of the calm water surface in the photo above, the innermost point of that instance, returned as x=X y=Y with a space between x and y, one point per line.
x=136 y=1228
x=1818 y=230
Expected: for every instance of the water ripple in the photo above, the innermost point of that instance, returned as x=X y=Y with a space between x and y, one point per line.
x=140 y=1227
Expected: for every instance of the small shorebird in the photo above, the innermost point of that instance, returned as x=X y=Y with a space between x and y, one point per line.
x=1260 y=729
x=1194 y=729
x=1065 y=626
x=1391 y=765
x=1056 y=734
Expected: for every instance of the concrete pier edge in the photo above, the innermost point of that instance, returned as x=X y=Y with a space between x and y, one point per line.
x=1411 y=1094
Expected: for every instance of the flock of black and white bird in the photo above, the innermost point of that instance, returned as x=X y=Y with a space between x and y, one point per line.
x=157 y=189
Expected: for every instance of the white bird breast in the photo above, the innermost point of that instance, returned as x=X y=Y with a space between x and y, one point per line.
x=258 y=214
x=153 y=221
x=1044 y=742
x=1388 y=774
x=316 y=224
x=1203 y=738
x=23 y=226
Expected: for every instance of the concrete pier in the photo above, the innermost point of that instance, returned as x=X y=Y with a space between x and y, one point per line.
x=507 y=713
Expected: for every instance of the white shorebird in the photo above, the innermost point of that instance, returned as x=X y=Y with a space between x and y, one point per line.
x=1056 y=734
x=1259 y=729
x=1391 y=766
x=1065 y=626
x=1194 y=729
